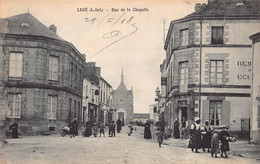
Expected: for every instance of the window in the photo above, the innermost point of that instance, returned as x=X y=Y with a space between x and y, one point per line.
x=71 y=72
x=79 y=74
x=14 y=103
x=217 y=35
x=52 y=107
x=53 y=68
x=216 y=71
x=184 y=37
x=183 y=76
x=86 y=90
x=16 y=65
x=76 y=71
x=215 y=109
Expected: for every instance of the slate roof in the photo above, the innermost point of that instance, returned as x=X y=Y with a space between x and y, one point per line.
x=13 y=25
x=229 y=8
x=221 y=9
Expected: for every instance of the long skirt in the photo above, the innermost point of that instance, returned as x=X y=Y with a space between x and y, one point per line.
x=196 y=139
x=176 y=132
x=88 y=132
x=206 y=140
x=147 y=133
x=224 y=146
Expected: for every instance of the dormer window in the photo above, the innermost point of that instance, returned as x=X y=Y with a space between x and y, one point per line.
x=25 y=25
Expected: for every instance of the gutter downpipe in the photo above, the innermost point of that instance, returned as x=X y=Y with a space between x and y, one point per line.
x=199 y=114
x=251 y=94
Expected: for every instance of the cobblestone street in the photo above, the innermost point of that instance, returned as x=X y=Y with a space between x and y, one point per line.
x=121 y=149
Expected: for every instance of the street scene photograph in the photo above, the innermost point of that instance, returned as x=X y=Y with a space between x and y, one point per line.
x=130 y=81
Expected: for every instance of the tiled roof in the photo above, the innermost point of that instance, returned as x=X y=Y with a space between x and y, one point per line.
x=229 y=8
x=26 y=24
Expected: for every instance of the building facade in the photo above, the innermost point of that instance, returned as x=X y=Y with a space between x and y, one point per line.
x=208 y=63
x=255 y=93
x=99 y=99
x=123 y=101
x=41 y=75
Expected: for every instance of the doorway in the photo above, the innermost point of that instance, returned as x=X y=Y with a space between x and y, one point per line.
x=121 y=116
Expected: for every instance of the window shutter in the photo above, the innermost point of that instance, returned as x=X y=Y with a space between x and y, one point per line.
x=205 y=110
x=226 y=113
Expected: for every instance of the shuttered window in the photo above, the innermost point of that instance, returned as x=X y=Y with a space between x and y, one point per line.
x=217 y=35
x=52 y=107
x=215 y=112
x=15 y=65
x=184 y=37
x=183 y=76
x=14 y=103
x=53 y=68
x=216 y=71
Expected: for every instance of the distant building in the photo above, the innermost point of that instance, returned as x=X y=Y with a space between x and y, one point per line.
x=208 y=63
x=154 y=112
x=255 y=94
x=123 y=102
x=41 y=75
x=141 y=117
x=97 y=100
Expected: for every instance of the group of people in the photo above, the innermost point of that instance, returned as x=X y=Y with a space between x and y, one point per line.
x=203 y=136
x=93 y=128
x=183 y=129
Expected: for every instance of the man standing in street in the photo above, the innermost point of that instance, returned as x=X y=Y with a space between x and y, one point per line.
x=184 y=128
x=119 y=124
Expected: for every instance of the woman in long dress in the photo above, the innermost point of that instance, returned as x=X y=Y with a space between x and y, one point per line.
x=176 y=129
x=206 y=140
x=196 y=135
x=147 y=131
x=223 y=137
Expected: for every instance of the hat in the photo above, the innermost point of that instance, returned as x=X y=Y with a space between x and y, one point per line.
x=223 y=127
x=196 y=118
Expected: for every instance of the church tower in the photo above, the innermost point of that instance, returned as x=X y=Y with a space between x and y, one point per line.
x=123 y=102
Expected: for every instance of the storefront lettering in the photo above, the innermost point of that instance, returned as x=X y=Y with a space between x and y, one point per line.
x=246 y=66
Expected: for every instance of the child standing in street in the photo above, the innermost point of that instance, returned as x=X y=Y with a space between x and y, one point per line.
x=101 y=129
x=214 y=144
x=160 y=136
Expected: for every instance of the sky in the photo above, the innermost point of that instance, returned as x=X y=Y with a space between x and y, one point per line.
x=116 y=34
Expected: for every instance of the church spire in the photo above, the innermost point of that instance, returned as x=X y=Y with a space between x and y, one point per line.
x=122 y=76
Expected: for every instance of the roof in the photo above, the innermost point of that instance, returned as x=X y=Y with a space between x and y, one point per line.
x=221 y=9
x=26 y=24
x=229 y=8
x=255 y=37
x=141 y=115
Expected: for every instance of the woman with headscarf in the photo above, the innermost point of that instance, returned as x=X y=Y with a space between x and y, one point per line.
x=206 y=140
x=224 y=138
x=195 y=132
x=176 y=134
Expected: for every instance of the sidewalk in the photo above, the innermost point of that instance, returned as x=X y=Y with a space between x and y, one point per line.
x=239 y=148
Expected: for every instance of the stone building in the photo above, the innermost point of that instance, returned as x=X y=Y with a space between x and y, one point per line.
x=208 y=63
x=141 y=117
x=90 y=95
x=41 y=75
x=97 y=103
x=255 y=93
x=123 y=100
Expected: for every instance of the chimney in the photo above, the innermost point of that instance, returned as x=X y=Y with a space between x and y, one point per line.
x=98 y=71
x=197 y=7
x=53 y=28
